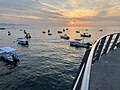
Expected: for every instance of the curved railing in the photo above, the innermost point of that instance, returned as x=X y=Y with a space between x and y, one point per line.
x=100 y=47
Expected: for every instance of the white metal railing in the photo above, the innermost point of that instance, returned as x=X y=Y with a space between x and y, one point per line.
x=100 y=47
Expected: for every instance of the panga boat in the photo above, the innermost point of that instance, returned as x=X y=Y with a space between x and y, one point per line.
x=100 y=30
x=22 y=41
x=85 y=35
x=49 y=33
x=59 y=31
x=65 y=36
x=77 y=31
x=28 y=36
x=7 y=55
x=43 y=32
x=79 y=43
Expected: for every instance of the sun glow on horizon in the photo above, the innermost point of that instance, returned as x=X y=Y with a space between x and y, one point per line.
x=72 y=22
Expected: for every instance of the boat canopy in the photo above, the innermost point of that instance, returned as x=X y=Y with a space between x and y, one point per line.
x=7 y=49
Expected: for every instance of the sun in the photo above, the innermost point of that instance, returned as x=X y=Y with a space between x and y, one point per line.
x=71 y=22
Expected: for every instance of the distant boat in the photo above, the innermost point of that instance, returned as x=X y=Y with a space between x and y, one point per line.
x=63 y=30
x=43 y=32
x=48 y=30
x=77 y=31
x=66 y=28
x=22 y=41
x=28 y=36
x=85 y=35
x=25 y=32
x=79 y=43
x=9 y=33
x=7 y=55
x=49 y=33
x=21 y=30
x=100 y=30
x=2 y=28
x=59 y=31
x=65 y=36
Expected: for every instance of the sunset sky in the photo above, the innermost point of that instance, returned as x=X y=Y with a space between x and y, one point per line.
x=61 y=12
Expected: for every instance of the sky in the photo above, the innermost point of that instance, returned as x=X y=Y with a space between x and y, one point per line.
x=61 y=12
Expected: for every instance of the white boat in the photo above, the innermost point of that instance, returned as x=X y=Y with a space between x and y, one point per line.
x=7 y=55
x=85 y=35
x=22 y=41
x=49 y=33
x=79 y=43
x=65 y=36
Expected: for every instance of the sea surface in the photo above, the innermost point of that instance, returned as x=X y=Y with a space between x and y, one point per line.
x=49 y=62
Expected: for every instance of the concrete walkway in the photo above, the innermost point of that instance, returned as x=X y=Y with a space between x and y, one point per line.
x=105 y=73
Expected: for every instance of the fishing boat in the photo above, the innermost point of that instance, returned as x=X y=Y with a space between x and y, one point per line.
x=59 y=31
x=85 y=35
x=22 y=41
x=43 y=32
x=49 y=33
x=77 y=31
x=79 y=43
x=2 y=28
x=100 y=30
x=65 y=36
x=9 y=33
x=28 y=36
x=7 y=55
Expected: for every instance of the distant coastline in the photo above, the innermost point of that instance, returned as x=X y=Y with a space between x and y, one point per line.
x=12 y=24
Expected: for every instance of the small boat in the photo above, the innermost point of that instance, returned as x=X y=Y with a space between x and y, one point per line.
x=9 y=33
x=28 y=36
x=85 y=35
x=63 y=30
x=49 y=33
x=65 y=36
x=21 y=30
x=66 y=28
x=59 y=31
x=48 y=30
x=79 y=43
x=100 y=30
x=43 y=32
x=7 y=55
x=2 y=28
x=25 y=32
x=22 y=41
x=77 y=31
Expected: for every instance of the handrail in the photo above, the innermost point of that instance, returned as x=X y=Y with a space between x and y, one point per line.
x=100 y=47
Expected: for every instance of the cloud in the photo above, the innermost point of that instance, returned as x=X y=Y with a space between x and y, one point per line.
x=62 y=11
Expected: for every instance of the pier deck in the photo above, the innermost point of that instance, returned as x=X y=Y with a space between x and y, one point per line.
x=105 y=74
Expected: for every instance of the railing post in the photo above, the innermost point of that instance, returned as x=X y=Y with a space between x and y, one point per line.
x=107 y=44
x=115 y=41
x=100 y=49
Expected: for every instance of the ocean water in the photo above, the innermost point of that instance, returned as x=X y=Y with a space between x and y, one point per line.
x=48 y=63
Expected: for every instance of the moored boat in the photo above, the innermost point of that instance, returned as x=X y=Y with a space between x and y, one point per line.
x=59 y=31
x=65 y=36
x=22 y=41
x=79 y=43
x=85 y=35
x=7 y=55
